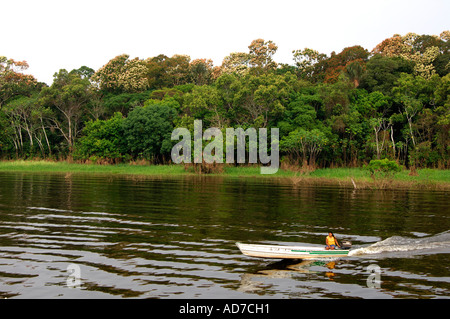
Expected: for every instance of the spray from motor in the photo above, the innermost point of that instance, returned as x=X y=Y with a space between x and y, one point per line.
x=403 y=244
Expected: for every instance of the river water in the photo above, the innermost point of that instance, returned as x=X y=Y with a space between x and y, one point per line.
x=106 y=236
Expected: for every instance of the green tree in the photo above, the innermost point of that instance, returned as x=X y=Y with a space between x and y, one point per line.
x=123 y=102
x=310 y=63
x=83 y=72
x=204 y=103
x=5 y=133
x=301 y=111
x=442 y=112
x=27 y=126
x=378 y=106
x=147 y=130
x=382 y=72
x=355 y=70
x=304 y=144
x=157 y=72
x=259 y=100
x=102 y=140
x=68 y=98
x=411 y=94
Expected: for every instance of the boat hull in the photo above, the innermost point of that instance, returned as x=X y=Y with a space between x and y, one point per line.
x=289 y=252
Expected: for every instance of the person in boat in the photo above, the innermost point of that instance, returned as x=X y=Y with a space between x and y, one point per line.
x=331 y=242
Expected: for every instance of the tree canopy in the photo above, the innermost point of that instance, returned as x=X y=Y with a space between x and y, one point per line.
x=347 y=108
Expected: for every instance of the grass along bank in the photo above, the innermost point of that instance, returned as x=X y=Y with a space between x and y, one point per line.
x=352 y=177
x=67 y=167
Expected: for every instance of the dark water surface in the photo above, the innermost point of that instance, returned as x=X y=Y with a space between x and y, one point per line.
x=101 y=236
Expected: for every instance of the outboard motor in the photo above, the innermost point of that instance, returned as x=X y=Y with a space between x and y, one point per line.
x=346 y=244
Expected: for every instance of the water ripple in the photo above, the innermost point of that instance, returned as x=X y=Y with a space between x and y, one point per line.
x=166 y=239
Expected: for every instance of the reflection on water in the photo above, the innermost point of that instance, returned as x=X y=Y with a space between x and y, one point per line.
x=175 y=238
x=253 y=283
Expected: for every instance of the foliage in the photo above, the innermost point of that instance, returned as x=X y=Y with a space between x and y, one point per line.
x=383 y=168
x=306 y=145
x=261 y=53
x=309 y=63
x=147 y=130
x=68 y=100
x=236 y=62
x=383 y=71
x=13 y=82
x=342 y=109
x=422 y=50
x=340 y=62
x=102 y=140
x=121 y=74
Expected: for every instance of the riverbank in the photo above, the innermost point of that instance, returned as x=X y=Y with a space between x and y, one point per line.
x=352 y=177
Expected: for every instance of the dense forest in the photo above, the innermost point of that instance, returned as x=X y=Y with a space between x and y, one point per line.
x=342 y=109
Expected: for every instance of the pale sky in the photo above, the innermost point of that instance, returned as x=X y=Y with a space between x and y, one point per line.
x=52 y=35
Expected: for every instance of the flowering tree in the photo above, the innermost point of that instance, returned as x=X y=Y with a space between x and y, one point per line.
x=422 y=50
x=121 y=74
x=261 y=53
x=236 y=62
x=12 y=81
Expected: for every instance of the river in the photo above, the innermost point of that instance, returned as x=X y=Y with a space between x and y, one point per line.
x=108 y=236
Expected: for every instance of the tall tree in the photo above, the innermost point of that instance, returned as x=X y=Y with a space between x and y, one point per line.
x=203 y=102
x=121 y=74
x=355 y=70
x=305 y=144
x=26 y=118
x=68 y=97
x=236 y=62
x=383 y=71
x=261 y=99
x=310 y=63
x=426 y=52
x=201 y=71
x=412 y=94
x=261 y=53
x=148 y=129
x=178 y=69
x=13 y=82
x=337 y=63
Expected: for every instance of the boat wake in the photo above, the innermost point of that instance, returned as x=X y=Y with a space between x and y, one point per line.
x=404 y=244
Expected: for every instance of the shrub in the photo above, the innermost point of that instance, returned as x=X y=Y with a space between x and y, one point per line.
x=383 y=168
